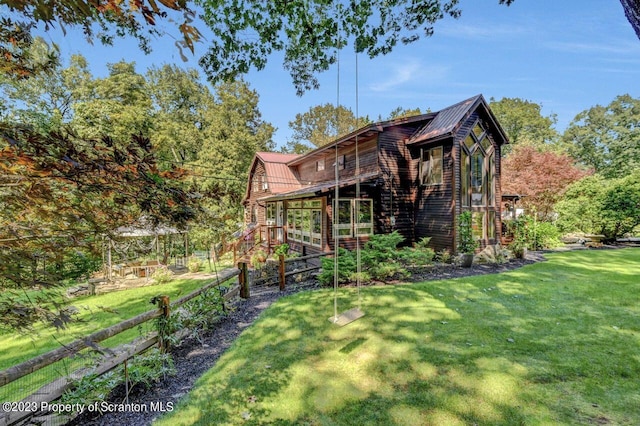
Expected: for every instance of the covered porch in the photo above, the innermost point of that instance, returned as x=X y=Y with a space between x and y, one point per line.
x=303 y=218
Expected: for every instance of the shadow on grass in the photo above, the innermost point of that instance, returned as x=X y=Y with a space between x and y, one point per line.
x=534 y=345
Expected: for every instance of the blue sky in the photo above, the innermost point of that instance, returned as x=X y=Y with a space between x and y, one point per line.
x=567 y=55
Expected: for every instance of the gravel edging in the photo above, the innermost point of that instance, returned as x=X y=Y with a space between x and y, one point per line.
x=193 y=357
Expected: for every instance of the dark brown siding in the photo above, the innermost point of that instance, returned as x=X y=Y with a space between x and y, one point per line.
x=366 y=152
x=434 y=204
x=396 y=194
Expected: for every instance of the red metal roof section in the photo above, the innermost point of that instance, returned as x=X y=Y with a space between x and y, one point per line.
x=280 y=177
x=446 y=121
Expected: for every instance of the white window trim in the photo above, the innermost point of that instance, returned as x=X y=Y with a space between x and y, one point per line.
x=353 y=226
x=430 y=162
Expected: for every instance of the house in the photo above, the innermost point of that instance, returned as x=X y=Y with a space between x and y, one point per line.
x=414 y=175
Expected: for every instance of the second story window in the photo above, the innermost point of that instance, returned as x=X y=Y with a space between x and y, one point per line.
x=259 y=183
x=431 y=166
x=320 y=165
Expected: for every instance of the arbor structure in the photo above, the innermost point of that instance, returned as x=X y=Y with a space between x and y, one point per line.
x=59 y=195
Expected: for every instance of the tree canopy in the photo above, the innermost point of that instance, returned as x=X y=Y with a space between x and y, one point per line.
x=321 y=125
x=60 y=195
x=599 y=205
x=632 y=12
x=524 y=123
x=243 y=33
x=607 y=138
x=81 y=156
x=541 y=176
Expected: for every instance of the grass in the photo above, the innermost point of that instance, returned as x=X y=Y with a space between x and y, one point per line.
x=94 y=313
x=556 y=342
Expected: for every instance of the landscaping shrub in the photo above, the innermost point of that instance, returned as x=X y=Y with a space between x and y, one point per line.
x=535 y=235
x=282 y=249
x=143 y=369
x=346 y=267
x=365 y=277
x=545 y=235
x=416 y=256
x=162 y=275
x=194 y=264
x=381 y=248
x=443 y=256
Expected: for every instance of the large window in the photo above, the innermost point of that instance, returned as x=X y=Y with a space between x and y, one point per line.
x=355 y=217
x=271 y=213
x=477 y=181
x=304 y=222
x=431 y=166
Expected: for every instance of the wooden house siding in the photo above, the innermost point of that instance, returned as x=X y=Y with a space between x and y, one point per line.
x=398 y=175
x=434 y=216
x=367 y=152
x=389 y=156
x=256 y=192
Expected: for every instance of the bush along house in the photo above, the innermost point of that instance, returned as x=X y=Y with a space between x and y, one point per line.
x=416 y=175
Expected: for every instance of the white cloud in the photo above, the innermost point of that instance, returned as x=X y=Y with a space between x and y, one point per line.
x=409 y=72
x=481 y=32
x=589 y=47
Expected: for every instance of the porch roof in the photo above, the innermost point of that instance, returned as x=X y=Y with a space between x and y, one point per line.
x=319 y=188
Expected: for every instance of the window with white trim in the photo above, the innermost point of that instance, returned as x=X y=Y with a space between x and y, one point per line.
x=271 y=214
x=431 y=166
x=355 y=217
x=304 y=222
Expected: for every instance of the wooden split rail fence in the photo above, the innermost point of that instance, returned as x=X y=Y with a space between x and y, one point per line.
x=26 y=408
x=54 y=390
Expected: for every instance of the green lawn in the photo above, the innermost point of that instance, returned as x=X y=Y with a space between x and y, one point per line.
x=94 y=313
x=557 y=342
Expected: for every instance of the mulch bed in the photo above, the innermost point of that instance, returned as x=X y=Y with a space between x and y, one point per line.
x=193 y=357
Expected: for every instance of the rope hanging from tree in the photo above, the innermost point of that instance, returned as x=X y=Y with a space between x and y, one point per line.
x=355 y=313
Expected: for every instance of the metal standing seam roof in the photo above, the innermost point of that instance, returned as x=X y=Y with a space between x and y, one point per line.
x=280 y=177
x=445 y=121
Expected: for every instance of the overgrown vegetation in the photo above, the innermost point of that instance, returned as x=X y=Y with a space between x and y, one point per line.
x=195 y=316
x=142 y=370
x=599 y=205
x=93 y=313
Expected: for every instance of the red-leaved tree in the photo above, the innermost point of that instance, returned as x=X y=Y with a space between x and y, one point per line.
x=540 y=176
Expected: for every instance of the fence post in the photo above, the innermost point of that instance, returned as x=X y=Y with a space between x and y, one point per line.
x=163 y=305
x=243 y=280
x=281 y=271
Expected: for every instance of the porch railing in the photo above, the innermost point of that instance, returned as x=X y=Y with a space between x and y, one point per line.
x=262 y=236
